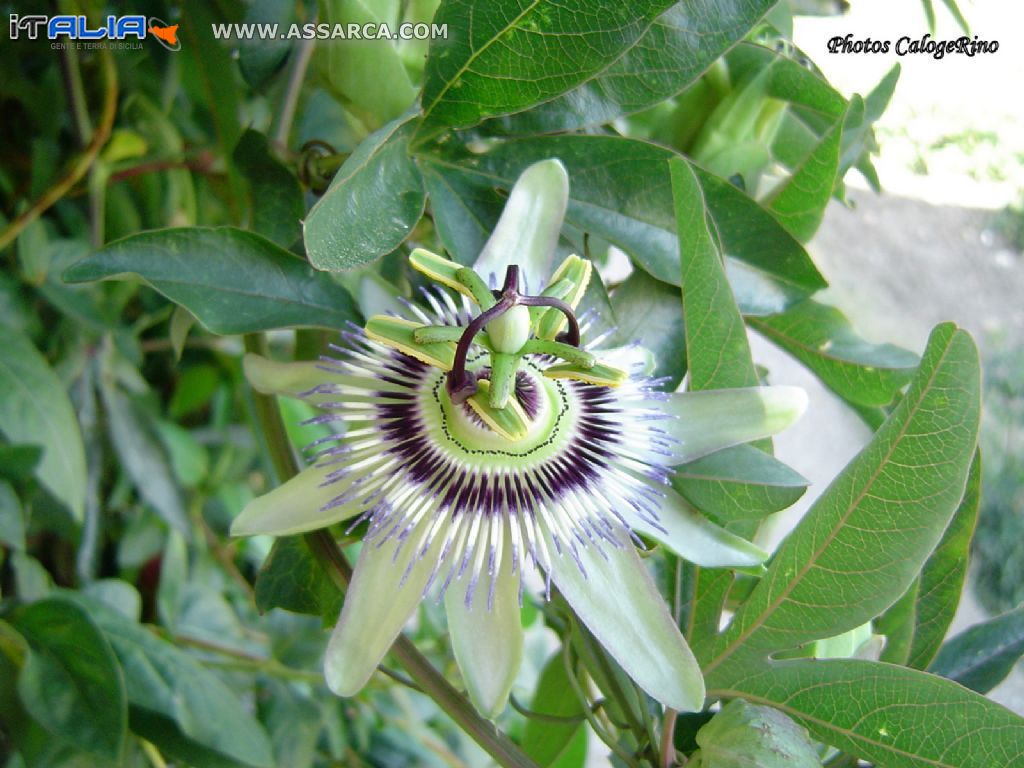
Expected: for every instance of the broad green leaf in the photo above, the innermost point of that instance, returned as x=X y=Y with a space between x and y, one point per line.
x=12 y=523
x=741 y=483
x=232 y=281
x=15 y=310
x=31 y=580
x=543 y=740
x=274 y=193
x=133 y=432
x=35 y=410
x=743 y=735
x=188 y=457
x=620 y=190
x=675 y=50
x=876 y=102
x=897 y=625
x=982 y=656
x=506 y=55
x=259 y=60
x=575 y=754
x=367 y=74
x=71 y=682
x=33 y=249
x=649 y=314
x=800 y=202
x=180 y=324
x=717 y=350
x=117 y=594
x=372 y=204
x=858 y=139
x=885 y=714
x=787 y=80
x=294 y=722
x=867 y=536
x=292 y=579
x=944 y=575
x=822 y=339
x=18 y=462
x=185 y=710
x=193 y=390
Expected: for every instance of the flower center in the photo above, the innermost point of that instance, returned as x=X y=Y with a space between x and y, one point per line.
x=543 y=402
x=514 y=332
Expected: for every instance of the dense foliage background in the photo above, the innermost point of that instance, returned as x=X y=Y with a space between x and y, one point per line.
x=164 y=211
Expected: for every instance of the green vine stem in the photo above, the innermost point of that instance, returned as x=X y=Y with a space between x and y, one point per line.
x=323 y=547
x=668 y=747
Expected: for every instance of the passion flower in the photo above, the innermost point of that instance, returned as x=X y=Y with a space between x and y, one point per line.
x=485 y=436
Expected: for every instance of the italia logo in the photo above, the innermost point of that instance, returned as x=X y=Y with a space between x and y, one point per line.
x=77 y=28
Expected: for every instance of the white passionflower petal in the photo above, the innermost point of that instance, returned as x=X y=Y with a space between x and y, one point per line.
x=487 y=636
x=293 y=379
x=708 y=421
x=315 y=498
x=695 y=538
x=387 y=585
x=613 y=594
x=377 y=296
x=528 y=229
x=637 y=361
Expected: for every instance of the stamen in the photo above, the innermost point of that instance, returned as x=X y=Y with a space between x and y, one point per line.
x=462 y=384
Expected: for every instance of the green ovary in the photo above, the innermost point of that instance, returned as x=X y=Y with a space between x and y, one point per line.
x=457 y=431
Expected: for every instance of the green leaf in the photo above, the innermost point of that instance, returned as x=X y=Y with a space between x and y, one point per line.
x=292 y=579
x=800 y=202
x=741 y=735
x=18 y=462
x=822 y=339
x=35 y=409
x=982 y=656
x=71 y=682
x=294 y=722
x=185 y=710
x=943 y=576
x=368 y=74
x=788 y=80
x=373 y=203
x=275 y=195
x=544 y=740
x=886 y=714
x=867 y=536
x=649 y=313
x=741 y=483
x=675 y=50
x=193 y=390
x=504 y=56
x=259 y=60
x=465 y=208
x=188 y=457
x=620 y=190
x=717 y=350
x=180 y=324
x=12 y=523
x=897 y=625
x=134 y=434
x=232 y=281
